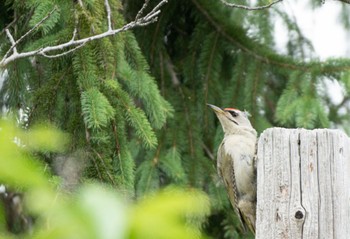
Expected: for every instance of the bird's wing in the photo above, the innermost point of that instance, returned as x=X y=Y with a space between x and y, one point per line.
x=226 y=171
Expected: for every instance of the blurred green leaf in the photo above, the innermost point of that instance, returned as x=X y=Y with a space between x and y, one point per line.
x=44 y=138
x=94 y=211
x=16 y=166
x=170 y=215
x=97 y=212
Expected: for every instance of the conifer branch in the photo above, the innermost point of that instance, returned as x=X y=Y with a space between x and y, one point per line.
x=97 y=168
x=14 y=43
x=74 y=44
x=283 y=62
x=344 y=1
x=233 y=5
x=105 y=167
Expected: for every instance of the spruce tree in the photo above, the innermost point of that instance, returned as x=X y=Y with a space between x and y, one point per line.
x=135 y=102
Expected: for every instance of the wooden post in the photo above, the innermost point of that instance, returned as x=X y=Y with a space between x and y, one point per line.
x=303 y=184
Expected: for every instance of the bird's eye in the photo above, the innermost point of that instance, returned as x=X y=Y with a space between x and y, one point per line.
x=233 y=113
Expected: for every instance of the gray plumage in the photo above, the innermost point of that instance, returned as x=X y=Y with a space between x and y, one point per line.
x=236 y=163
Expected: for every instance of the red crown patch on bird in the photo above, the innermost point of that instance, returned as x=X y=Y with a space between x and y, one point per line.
x=231 y=109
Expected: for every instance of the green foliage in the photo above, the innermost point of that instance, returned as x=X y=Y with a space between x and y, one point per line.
x=94 y=211
x=172 y=166
x=42 y=9
x=101 y=93
x=300 y=104
x=203 y=52
x=181 y=206
x=345 y=79
x=97 y=212
x=133 y=115
x=96 y=109
x=17 y=166
x=148 y=177
x=135 y=103
x=133 y=71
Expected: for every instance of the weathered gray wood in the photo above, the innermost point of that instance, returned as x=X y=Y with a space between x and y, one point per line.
x=303 y=184
x=309 y=182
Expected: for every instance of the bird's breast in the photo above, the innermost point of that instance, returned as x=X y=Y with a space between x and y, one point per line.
x=242 y=150
x=237 y=145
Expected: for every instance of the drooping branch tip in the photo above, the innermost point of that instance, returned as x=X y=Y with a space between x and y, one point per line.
x=233 y=5
x=12 y=54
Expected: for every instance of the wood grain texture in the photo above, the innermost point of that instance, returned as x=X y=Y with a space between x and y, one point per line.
x=303 y=184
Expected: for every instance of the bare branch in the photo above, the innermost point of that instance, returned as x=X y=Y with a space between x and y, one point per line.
x=80 y=3
x=9 y=25
x=63 y=53
x=233 y=5
x=108 y=10
x=75 y=44
x=149 y=17
x=149 y=22
x=76 y=20
x=13 y=47
x=208 y=152
x=141 y=10
x=156 y=8
x=74 y=33
x=13 y=43
x=36 y=25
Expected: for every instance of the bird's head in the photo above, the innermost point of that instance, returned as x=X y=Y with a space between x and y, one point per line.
x=232 y=120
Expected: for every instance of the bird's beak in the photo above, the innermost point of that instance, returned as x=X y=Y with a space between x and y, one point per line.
x=216 y=109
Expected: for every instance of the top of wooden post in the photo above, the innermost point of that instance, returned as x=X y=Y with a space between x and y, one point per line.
x=303 y=184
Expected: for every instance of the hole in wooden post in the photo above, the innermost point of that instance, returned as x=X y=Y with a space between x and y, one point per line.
x=299 y=215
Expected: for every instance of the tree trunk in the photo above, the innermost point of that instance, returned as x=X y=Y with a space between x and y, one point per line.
x=303 y=186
